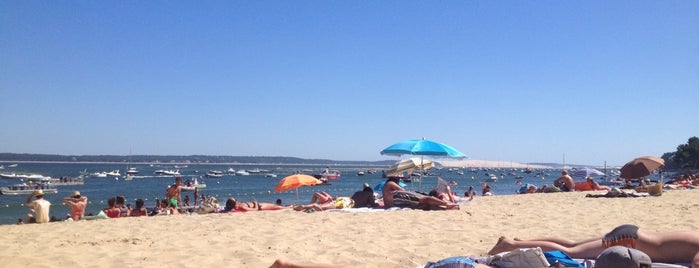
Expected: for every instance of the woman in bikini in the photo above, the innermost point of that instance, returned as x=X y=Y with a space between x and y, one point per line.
x=670 y=247
x=233 y=205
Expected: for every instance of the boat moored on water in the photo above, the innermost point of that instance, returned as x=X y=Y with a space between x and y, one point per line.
x=214 y=174
x=62 y=181
x=25 y=189
x=114 y=173
x=328 y=175
x=192 y=184
x=242 y=173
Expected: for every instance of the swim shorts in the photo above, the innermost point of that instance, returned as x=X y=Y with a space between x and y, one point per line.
x=174 y=202
x=406 y=199
x=623 y=235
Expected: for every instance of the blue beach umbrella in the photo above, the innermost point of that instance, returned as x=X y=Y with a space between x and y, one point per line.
x=422 y=147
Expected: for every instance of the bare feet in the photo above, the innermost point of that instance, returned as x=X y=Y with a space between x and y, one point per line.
x=503 y=244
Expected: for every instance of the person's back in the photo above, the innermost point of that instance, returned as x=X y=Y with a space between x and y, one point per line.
x=140 y=210
x=387 y=191
x=41 y=207
x=364 y=199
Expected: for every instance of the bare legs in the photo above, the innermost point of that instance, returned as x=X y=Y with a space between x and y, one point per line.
x=589 y=249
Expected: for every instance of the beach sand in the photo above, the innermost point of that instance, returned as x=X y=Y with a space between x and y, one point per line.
x=403 y=238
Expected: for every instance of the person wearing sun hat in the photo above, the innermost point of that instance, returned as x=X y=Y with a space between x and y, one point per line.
x=40 y=206
x=77 y=204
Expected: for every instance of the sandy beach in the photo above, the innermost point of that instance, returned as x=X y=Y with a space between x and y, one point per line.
x=403 y=238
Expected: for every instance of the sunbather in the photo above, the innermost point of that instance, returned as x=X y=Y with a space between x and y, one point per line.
x=669 y=247
x=394 y=195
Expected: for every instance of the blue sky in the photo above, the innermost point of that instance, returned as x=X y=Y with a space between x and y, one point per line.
x=524 y=81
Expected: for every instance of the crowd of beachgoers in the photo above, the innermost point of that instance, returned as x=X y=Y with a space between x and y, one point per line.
x=391 y=195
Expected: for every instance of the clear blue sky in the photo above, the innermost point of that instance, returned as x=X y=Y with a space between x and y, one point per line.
x=524 y=81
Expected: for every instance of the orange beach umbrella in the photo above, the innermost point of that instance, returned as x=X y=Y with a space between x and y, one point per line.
x=294 y=182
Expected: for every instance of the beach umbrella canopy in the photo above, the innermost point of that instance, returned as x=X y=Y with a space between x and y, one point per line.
x=587 y=172
x=409 y=165
x=422 y=147
x=294 y=182
x=641 y=167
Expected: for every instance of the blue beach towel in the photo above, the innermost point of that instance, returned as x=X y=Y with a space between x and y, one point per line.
x=555 y=256
x=452 y=262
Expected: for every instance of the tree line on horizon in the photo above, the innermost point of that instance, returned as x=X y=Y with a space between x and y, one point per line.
x=193 y=159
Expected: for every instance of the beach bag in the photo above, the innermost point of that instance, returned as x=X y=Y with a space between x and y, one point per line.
x=521 y=258
x=209 y=205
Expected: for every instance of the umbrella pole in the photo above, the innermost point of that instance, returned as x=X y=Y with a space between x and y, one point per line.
x=422 y=174
x=297 y=196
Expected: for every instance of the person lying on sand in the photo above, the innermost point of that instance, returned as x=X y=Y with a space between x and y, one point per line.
x=286 y=264
x=669 y=247
x=233 y=205
x=396 y=196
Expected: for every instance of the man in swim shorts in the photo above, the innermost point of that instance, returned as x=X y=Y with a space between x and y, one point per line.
x=173 y=193
x=394 y=195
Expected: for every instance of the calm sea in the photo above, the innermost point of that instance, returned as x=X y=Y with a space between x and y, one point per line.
x=148 y=186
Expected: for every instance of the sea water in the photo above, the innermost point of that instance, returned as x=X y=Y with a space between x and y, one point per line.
x=150 y=186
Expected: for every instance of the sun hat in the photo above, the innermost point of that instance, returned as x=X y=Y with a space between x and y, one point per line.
x=623 y=257
x=37 y=192
x=75 y=194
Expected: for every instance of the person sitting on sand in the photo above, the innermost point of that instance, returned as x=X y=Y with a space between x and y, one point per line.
x=40 y=207
x=396 y=196
x=470 y=193
x=565 y=182
x=139 y=210
x=112 y=211
x=364 y=198
x=232 y=205
x=487 y=191
x=669 y=247
x=77 y=204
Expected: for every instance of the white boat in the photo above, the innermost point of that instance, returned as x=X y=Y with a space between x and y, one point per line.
x=114 y=173
x=270 y=175
x=171 y=172
x=132 y=171
x=25 y=189
x=13 y=165
x=241 y=173
x=8 y=176
x=192 y=184
x=492 y=178
x=128 y=177
x=212 y=174
x=99 y=174
x=231 y=170
x=255 y=170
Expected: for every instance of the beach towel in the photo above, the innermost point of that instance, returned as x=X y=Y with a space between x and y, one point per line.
x=452 y=262
x=556 y=257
